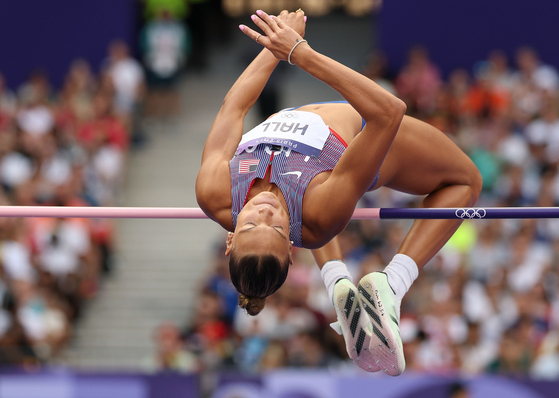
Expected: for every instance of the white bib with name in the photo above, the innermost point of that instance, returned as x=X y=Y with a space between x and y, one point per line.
x=303 y=132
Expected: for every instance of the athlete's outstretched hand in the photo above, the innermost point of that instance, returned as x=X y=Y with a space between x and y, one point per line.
x=280 y=33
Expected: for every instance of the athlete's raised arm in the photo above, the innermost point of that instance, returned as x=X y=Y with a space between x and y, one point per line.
x=371 y=101
x=227 y=130
x=383 y=112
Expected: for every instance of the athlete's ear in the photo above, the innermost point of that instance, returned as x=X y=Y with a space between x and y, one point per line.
x=229 y=243
x=290 y=252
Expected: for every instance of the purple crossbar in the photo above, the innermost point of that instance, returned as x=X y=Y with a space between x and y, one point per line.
x=359 y=214
x=470 y=213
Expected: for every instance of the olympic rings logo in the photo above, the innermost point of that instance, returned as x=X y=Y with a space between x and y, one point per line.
x=289 y=115
x=470 y=213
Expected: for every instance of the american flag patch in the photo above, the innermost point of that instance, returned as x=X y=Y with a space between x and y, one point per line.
x=248 y=166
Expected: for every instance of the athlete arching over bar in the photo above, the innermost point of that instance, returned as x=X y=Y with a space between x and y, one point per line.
x=296 y=178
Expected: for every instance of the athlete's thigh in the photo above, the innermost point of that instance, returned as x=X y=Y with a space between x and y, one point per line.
x=423 y=159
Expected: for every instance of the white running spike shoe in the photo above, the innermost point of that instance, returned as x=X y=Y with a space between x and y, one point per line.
x=382 y=306
x=355 y=325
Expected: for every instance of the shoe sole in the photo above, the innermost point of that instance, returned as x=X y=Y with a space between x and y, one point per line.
x=385 y=346
x=356 y=327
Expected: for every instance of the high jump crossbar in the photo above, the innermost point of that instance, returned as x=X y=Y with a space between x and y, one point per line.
x=359 y=214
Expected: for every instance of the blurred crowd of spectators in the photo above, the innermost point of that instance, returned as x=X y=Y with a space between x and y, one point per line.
x=488 y=302
x=65 y=147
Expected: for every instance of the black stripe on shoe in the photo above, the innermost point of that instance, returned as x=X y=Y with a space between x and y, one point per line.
x=367 y=296
x=360 y=341
x=373 y=314
x=380 y=336
x=349 y=303
x=394 y=320
x=354 y=321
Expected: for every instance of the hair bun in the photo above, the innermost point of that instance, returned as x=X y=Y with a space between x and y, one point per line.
x=252 y=305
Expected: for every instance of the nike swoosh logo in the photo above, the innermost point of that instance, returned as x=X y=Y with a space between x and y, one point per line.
x=297 y=173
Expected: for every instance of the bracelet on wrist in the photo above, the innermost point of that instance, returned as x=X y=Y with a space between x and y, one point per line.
x=291 y=52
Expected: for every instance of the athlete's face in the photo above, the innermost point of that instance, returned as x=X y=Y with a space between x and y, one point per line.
x=262 y=228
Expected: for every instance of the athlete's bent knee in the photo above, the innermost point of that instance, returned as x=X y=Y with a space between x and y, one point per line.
x=475 y=182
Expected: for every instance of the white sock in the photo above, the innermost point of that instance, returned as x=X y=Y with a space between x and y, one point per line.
x=401 y=272
x=332 y=272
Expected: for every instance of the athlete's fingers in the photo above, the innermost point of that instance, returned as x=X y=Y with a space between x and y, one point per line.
x=251 y=33
x=266 y=30
x=279 y=22
x=268 y=20
x=293 y=20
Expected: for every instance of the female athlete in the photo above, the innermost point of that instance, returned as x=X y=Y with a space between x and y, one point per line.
x=296 y=178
